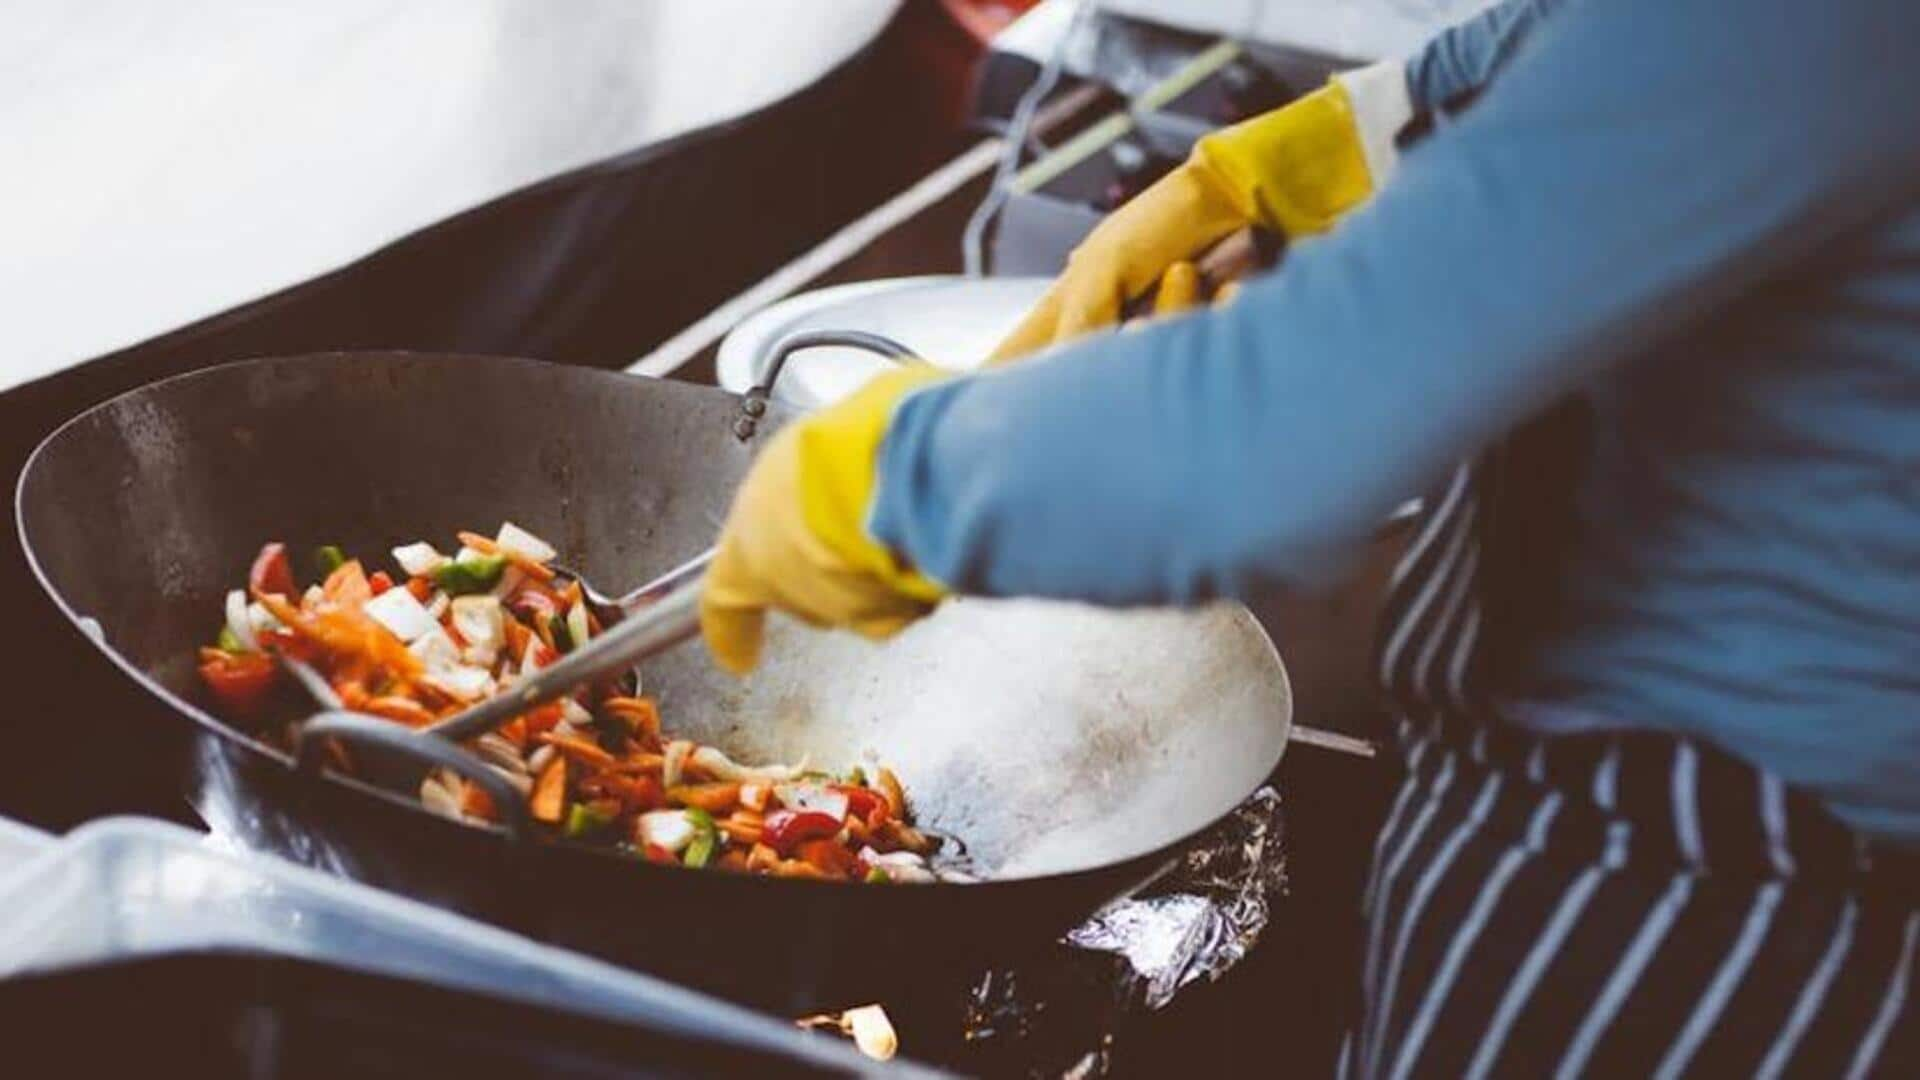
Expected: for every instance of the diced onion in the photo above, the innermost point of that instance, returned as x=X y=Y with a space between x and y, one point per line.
x=675 y=761
x=813 y=797
x=577 y=627
x=574 y=713
x=418 y=559
x=460 y=681
x=261 y=619
x=435 y=649
x=872 y=1032
x=670 y=829
x=480 y=622
x=398 y=611
x=720 y=765
x=513 y=538
x=237 y=620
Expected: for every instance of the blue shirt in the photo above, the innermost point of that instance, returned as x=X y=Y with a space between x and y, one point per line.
x=1703 y=215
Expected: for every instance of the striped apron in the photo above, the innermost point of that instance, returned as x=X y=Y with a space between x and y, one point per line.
x=1607 y=904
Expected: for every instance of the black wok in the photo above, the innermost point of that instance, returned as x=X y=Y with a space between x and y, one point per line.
x=1076 y=750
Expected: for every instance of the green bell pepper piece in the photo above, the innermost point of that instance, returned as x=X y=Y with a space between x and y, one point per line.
x=463 y=577
x=229 y=642
x=583 y=819
x=877 y=876
x=327 y=558
x=562 y=637
x=706 y=837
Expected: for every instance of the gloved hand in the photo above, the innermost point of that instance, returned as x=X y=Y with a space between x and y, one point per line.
x=1294 y=171
x=796 y=537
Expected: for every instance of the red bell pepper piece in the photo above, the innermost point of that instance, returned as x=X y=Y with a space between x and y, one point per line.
x=863 y=802
x=239 y=682
x=658 y=854
x=272 y=573
x=379 y=581
x=784 y=830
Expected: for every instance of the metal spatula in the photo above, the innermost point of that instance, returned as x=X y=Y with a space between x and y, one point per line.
x=649 y=620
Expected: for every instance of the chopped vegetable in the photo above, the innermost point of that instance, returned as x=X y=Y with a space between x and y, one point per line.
x=706 y=837
x=786 y=829
x=715 y=797
x=549 y=791
x=271 y=573
x=229 y=642
x=594 y=765
x=327 y=558
x=399 y=612
x=577 y=630
x=418 y=560
x=583 y=819
x=240 y=682
x=669 y=830
x=240 y=620
x=814 y=797
x=471 y=572
x=513 y=538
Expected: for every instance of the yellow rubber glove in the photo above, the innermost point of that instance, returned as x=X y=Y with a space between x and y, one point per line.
x=1295 y=171
x=796 y=538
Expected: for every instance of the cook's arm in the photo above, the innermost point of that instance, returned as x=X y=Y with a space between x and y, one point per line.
x=1464 y=58
x=1640 y=164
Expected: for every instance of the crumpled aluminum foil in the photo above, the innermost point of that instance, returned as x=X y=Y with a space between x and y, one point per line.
x=1057 y=1016
x=1202 y=918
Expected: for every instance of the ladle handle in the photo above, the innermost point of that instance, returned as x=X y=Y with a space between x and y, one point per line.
x=352 y=727
x=673 y=617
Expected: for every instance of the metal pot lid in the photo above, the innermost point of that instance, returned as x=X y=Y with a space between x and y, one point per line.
x=951 y=320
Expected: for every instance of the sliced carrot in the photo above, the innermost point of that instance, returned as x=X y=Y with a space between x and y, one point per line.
x=580 y=750
x=517 y=636
x=640 y=714
x=475 y=800
x=829 y=857
x=857 y=832
x=533 y=568
x=713 y=798
x=420 y=587
x=795 y=868
x=642 y=764
x=515 y=732
x=549 y=792
x=740 y=831
x=890 y=787
x=733 y=859
x=762 y=858
x=404 y=710
x=348 y=585
x=544 y=718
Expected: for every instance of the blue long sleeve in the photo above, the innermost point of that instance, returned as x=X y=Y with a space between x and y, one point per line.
x=1703 y=215
x=1643 y=163
x=1462 y=60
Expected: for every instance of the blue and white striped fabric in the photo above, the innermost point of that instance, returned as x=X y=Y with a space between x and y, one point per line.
x=1605 y=904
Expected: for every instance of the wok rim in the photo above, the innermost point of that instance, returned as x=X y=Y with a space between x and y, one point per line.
x=1161 y=853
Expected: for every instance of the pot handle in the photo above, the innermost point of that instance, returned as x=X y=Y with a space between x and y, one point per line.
x=352 y=727
x=753 y=404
